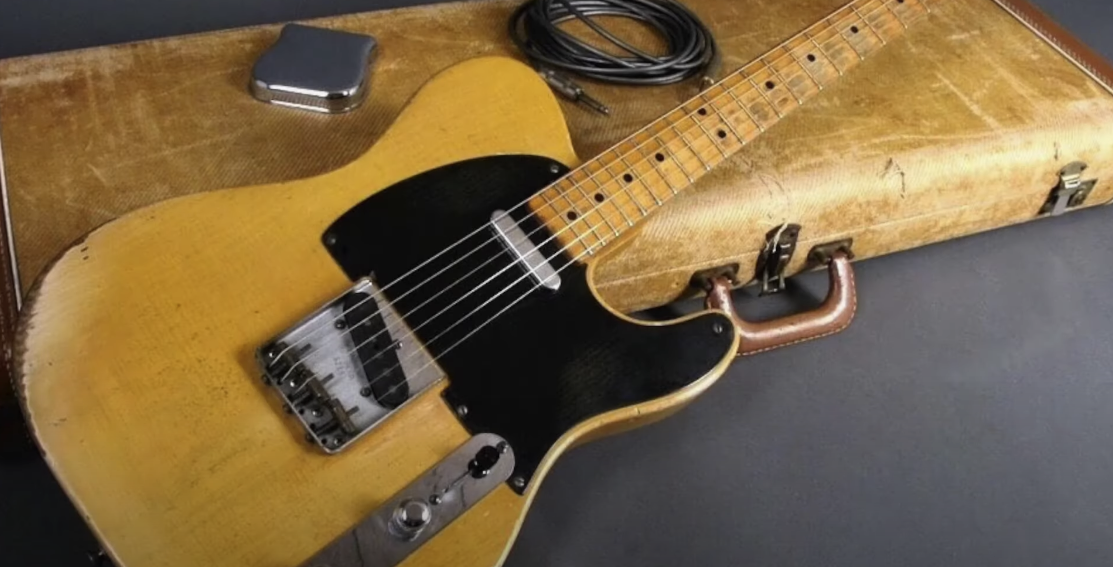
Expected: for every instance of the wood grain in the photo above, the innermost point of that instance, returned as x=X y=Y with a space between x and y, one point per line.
x=627 y=183
x=137 y=371
x=887 y=155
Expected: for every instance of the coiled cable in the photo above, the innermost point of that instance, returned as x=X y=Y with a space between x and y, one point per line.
x=691 y=49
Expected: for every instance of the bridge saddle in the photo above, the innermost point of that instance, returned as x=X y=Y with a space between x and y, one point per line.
x=347 y=366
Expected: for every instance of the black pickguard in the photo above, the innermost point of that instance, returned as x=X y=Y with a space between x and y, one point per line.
x=529 y=364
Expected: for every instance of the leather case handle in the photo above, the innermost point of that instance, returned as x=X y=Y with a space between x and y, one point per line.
x=834 y=315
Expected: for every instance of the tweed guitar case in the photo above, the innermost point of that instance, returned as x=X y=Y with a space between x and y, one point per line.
x=984 y=114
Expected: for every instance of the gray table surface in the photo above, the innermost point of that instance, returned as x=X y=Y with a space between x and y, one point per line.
x=964 y=419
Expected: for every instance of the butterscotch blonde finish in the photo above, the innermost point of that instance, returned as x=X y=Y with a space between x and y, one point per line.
x=137 y=373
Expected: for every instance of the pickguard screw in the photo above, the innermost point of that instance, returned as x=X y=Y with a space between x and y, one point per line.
x=518 y=482
x=717 y=328
x=435 y=499
x=462 y=411
x=330 y=239
x=554 y=168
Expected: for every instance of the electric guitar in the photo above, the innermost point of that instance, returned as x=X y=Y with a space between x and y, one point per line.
x=379 y=365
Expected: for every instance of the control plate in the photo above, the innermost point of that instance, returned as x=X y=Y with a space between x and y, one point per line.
x=418 y=512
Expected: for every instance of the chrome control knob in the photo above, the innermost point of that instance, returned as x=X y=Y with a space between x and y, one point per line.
x=409 y=518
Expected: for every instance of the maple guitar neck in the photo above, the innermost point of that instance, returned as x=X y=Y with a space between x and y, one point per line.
x=599 y=201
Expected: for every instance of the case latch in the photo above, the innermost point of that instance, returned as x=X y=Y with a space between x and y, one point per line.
x=1071 y=191
x=780 y=244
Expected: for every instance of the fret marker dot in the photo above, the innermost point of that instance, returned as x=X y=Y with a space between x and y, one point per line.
x=811 y=58
x=572 y=215
x=702 y=112
x=854 y=29
x=770 y=84
x=599 y=198
x=627 y=178
x=722 y=134
x=660 y=157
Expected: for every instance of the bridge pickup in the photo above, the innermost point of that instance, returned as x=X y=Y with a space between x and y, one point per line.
x=528 y=254
x=347 y=366
x=377 y=351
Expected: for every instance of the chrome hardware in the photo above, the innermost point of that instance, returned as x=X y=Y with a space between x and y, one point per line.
x=531 y=258
x=1070 y=192
x=346 y=367
x=780 y=244
x=418 y=512
x=314 y=69
x=409 y=518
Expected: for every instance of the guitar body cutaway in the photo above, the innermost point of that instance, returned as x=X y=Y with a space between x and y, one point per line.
x=136 y=360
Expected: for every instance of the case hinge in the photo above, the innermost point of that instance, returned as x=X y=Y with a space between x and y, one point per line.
x=780 y=244
x=1071 y=191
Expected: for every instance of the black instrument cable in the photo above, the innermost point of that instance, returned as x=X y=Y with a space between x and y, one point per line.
x=535 y=29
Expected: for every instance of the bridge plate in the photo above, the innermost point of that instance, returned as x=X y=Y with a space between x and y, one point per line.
x=347 y=366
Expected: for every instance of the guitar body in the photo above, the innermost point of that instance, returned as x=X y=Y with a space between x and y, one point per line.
x=137 y=365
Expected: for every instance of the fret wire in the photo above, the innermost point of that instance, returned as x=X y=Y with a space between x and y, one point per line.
x=686 y=143
x=598 y=210
x=730 y=91
x=707 y=133
x=634 y=198
x=552 y=205
x=599 y=187
x=842 y=35
x=579 y=217
x=618 y=181
x=894 y=13
x=745 y=109
x=641 y=151
x=868 y=24
x=781 y=78
x=822 y=52
x=675 y=160
x=638 y=177
x=725 y=120
x=792 y=53
x=763 y=95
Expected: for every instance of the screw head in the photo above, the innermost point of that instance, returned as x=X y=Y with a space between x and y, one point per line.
x=330 y=239
x=554 y=168
x=717 y=328
x=435 y=499
x=365 y=392
x=462 y=410
x=518 y=482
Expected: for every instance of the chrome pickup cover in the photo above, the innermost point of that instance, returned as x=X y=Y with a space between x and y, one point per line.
x=347 y=366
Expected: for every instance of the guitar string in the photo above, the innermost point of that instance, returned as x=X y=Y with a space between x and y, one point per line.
x=832 y=25
x=594 y=229
x=581 y=239
x=570 y=263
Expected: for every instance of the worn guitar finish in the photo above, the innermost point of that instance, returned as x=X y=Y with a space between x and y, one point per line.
x=137 y=367
x=554 y=358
